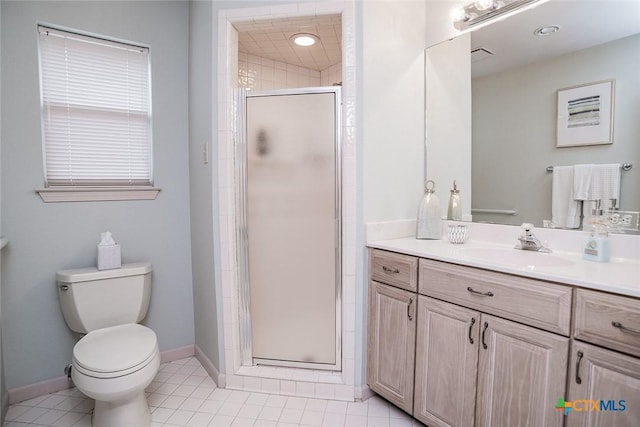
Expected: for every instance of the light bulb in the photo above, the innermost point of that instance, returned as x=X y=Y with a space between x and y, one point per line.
x=485 y=4
x=304 y=39
x=458 y=13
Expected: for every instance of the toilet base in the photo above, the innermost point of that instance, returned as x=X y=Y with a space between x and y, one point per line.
x=130 y=412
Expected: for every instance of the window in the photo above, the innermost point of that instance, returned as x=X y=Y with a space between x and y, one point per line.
x=96 y=117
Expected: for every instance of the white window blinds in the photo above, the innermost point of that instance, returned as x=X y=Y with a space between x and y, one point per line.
x=96 y=114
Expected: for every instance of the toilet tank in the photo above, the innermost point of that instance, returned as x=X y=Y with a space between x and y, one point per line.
x=92 y=299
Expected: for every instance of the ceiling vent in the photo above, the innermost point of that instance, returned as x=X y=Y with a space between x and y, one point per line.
x=480 y=53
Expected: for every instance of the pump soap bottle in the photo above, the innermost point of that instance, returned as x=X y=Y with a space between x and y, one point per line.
x=429 y=224
x=454 y=211
x=596 y=246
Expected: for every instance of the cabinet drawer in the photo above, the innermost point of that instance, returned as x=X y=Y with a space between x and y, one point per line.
x=394 y=269
x=533 y=302
x=609 y=320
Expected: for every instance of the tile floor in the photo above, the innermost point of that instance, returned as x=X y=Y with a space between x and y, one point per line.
x=182 y=394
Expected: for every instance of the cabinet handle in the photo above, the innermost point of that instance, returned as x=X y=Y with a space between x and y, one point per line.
x=624 y=328
x=409 y=309
x=473 y=321
x=484 y=344
x=482 y=294
x=390 y=270
x=578 y=379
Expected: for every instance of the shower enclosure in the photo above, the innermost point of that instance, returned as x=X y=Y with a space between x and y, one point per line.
x=288 y=152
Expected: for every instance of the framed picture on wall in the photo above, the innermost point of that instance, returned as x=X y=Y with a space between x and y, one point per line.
x=585 y=114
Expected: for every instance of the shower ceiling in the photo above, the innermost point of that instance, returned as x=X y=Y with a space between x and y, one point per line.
x=270 y=39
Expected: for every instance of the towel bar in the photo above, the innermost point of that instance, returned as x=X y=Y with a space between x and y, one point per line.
x=624 y=167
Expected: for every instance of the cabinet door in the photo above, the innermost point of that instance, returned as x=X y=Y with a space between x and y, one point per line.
x=392 y=339
x=446 y=364
x=610 y=379
x=522 y=373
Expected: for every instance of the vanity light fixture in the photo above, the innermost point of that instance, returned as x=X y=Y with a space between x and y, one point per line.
x=480 y=11
x=304 y=39
x=545 y=31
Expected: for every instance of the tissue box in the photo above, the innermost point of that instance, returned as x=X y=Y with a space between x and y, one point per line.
x=109 y=257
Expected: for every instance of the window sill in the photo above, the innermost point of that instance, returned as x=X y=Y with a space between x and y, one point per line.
x=97 y=194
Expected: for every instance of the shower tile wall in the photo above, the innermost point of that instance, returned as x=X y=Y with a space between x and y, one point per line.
x=257 y=73
x=332 y=75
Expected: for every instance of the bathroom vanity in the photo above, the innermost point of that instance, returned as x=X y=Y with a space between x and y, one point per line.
x=458 y=340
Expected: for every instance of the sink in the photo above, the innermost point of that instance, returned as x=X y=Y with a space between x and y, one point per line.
x=515 y=257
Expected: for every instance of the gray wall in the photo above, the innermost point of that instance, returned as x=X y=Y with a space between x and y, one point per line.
x=203 y=127
x=203 y=180
x=49 y=237
x=509 y=166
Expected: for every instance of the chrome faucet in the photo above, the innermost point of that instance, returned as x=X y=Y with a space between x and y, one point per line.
x=528 y=241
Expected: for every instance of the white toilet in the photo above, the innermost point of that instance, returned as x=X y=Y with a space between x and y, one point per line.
x=117 y=358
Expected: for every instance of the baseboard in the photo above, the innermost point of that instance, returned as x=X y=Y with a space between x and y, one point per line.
x=41 y=388
x=53 y=385
x=363 y=393
x=177 y=353
x=211 y=369
x=5 y=407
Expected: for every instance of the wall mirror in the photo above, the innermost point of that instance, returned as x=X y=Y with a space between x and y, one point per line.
x=510 y=106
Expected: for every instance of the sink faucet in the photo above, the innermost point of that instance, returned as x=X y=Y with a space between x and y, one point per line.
x=528 y=241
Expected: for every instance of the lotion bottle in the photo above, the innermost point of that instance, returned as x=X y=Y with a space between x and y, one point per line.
x=429 y=224
x=454 y=211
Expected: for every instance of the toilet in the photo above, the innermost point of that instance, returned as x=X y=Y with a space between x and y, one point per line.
x=117 y=358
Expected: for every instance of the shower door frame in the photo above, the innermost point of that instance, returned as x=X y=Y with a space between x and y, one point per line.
x=240 y=137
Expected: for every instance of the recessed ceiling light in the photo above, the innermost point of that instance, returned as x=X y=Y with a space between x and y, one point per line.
x=545 y=31
x=304 y=39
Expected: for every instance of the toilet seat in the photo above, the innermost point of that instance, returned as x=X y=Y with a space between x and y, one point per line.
x=115 y=351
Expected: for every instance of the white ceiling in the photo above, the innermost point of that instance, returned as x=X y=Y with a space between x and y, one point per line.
x=270 y=39
x=582 y=24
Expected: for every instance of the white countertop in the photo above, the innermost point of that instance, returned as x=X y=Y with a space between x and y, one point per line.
x=619 y=275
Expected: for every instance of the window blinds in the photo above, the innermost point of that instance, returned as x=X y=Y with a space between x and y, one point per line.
x=96 y=115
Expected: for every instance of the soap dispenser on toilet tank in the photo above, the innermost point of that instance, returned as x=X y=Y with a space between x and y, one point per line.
x=429 y=224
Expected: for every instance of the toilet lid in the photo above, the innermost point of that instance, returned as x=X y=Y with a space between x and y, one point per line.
x=115 y=349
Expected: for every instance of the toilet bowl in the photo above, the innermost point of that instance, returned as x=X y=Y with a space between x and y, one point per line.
x=113 y=366
x=117 y=358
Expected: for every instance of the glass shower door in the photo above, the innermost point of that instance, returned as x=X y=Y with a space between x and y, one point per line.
x=292 y=221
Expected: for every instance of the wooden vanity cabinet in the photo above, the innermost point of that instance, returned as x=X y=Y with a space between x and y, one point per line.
x=522 y=372
x=458 y=346
x=599 y=374
x=394 y=269
x=476 y=369
x=607 y=320
x=605 y=374
x=392 y=327
x=446 y=363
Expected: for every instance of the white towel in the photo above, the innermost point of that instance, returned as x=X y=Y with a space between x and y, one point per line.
x=582 y=182
x=565 y=210
x=605 y=183
x=592 y=183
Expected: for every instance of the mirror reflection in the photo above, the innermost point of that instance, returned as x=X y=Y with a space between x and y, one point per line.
x=526 y=72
